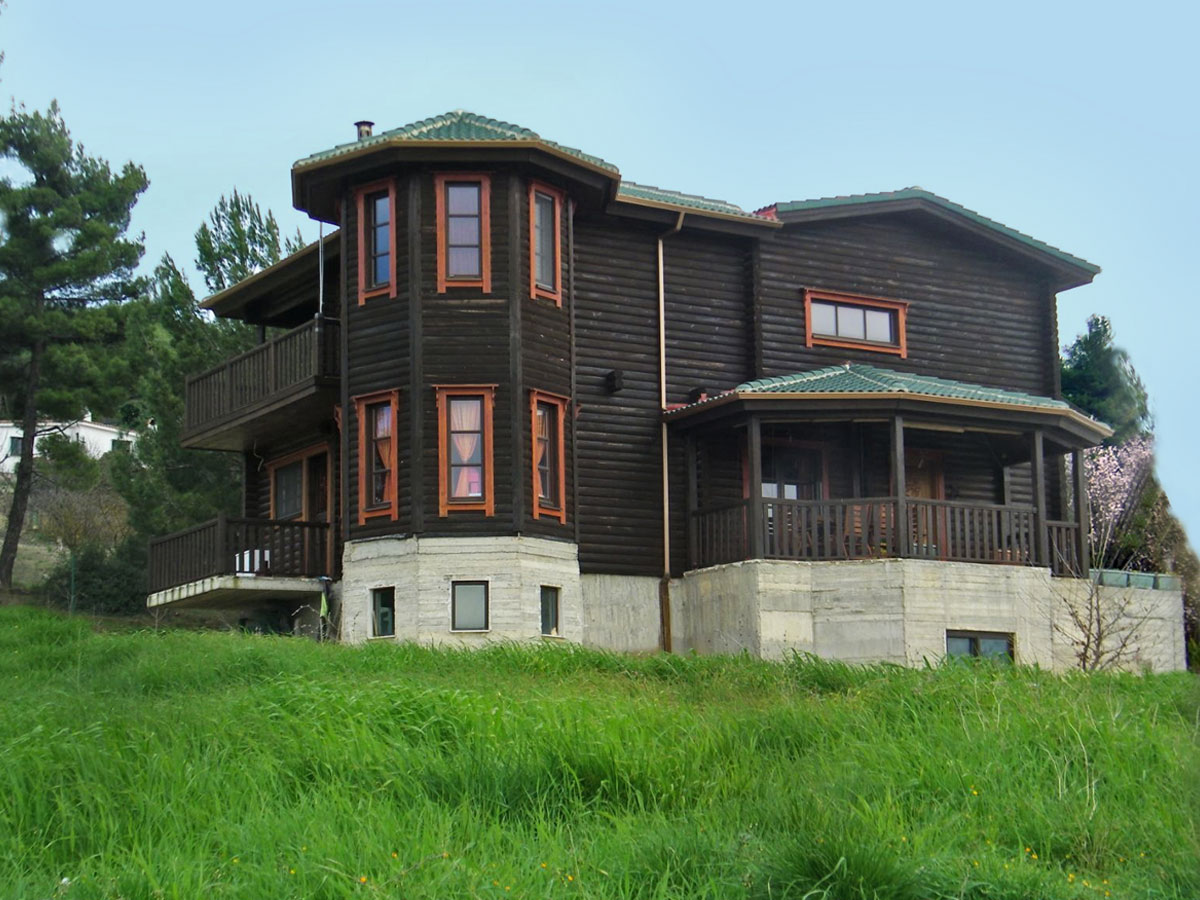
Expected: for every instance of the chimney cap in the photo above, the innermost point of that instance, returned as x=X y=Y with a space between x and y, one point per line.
x=363 y=127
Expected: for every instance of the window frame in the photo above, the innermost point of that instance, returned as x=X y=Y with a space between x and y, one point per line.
x=441 y=181
x=446 y=503
x=487 y=606
x=975 y=637
x=378 y=593
x=898 y=308
x=300 y=456
x=540 y=507
x=362 y=404
x=367 y=291
x=559 y=198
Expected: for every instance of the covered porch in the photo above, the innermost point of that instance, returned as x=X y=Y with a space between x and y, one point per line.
x=854 y=462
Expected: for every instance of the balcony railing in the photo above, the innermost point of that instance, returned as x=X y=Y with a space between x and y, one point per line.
x=867 y=528
x=227 y=546
x=262 y=374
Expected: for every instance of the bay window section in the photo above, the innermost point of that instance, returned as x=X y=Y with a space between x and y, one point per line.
x=547 y=417
x=377 y=455
x=465 y=448
x=852 y=321
x=462 y=204
x=376 y=208
x=545 y=235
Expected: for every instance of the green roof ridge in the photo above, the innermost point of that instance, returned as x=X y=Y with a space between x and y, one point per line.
x=918 y=193
x=679 y=198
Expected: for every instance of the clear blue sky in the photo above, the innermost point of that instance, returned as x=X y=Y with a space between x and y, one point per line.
x=1074 y=122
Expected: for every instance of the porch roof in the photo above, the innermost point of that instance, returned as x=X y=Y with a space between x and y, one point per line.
x=856 y=386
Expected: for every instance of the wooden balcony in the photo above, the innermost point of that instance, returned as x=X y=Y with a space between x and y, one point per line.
x=870 y=528
x=230 y=559
x=279 y=384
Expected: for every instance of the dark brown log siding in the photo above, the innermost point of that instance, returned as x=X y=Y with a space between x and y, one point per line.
x=973 y=316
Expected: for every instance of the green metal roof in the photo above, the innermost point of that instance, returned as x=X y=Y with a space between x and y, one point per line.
x=916 y=193
x=630 y=191
x=458 y=125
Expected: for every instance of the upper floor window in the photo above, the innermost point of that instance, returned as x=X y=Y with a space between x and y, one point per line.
x=852 y=321
x=299 y=484
x=465 y=448
x=549 y=478
x=545 y=251
x=376 y=206
x=377 y=455
x=464 y=245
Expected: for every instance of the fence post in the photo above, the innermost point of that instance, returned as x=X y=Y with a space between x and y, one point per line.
x=222 y=560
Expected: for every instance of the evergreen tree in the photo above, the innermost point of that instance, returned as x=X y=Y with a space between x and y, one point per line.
x=1099 y=378
x=65 y=266
x=238 y=240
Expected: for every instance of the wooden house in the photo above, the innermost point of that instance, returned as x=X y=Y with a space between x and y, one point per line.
x=513 y=395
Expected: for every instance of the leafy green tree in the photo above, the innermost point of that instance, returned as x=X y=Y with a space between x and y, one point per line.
x=1098 y=377
x=65 y=267
x=239 y=240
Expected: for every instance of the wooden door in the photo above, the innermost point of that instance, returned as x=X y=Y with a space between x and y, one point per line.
x=924 y=479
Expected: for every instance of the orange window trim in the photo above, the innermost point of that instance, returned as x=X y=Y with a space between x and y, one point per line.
x=440 y=181
x=559 y=198
x=360 y=200
x=278 y=463
x=560 y=405
x=391 y=508
x=899 y=307
x=446 y=505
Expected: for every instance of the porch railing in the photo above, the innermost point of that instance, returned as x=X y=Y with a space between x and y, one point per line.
x=256 y=376
x=227 y=546
x=867 y=527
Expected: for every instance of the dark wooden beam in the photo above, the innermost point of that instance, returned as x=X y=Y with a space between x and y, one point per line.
x=1082 y=511
x=693 y=501
x=518 y=420
x=1038 y=470
x=416 y=373
x=901 y=488
x=754 y=510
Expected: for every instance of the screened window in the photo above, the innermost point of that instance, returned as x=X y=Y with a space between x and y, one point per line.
x=379 y=239
x=550 y=611
x=463 y=226
x=979 y=644
x=289 y=490
x=843 y=320
x=465 y=448
x=383 y=607
x=469 y=606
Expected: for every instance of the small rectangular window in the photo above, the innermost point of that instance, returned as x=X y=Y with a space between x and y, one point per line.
x=14 y=446
x=462 y=203
x=469 y=606
x=980 y=644
x=550 y=611
x=847 y=320
x=120 y=445
x=383 y=606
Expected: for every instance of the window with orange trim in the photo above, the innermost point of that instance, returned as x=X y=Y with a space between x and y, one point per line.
x=547 y=414
x=545 y=235
x=855 y=322
x=464 y=223
x=465 y=477
x=376 y=206
x=377 y=454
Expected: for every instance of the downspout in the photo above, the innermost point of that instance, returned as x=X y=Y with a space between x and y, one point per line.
x=664 y=584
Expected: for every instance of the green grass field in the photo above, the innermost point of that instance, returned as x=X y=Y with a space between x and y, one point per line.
x=207 y=765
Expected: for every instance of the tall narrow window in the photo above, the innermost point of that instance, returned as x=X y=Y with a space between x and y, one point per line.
x=545 y=254
x=547 y=416
x=550 y=611
x=847 y=320
x=376 y=209
x=383 y=609
x=463 y=204
x=289 y=490
x=377 y=455
x=465 y=448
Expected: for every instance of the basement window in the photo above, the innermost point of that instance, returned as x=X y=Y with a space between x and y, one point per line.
x=469 y=606
x=383 y=612
x=980 y=644
x=550 y=596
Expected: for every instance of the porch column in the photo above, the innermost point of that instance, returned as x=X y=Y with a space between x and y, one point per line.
x=1037 y=465
x=1082 y=509
x=692 y=505
x=899 y=486
x=754 y=516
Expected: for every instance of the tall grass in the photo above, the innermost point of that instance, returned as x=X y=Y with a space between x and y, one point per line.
x=181 y=765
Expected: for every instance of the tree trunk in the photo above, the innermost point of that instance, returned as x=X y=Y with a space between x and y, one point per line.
x=24 y=481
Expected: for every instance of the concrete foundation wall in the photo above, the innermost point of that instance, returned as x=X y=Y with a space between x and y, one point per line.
x=899 y=610
x=422 y=570
x=621 y=612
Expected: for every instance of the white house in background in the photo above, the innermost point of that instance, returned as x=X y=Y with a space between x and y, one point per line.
x=97 y=437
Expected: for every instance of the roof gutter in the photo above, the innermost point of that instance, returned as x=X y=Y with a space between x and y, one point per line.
x=664 y=585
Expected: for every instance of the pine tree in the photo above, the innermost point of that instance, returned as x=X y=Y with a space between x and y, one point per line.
x=66 y=265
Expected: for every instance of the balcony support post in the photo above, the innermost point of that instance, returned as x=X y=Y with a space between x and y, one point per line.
x=1082 y=509
x=900 y=487
x=693 y=494
x=1037 y=463
x=754 y=509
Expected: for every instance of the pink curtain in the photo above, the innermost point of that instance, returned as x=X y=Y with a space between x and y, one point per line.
x=466 y=431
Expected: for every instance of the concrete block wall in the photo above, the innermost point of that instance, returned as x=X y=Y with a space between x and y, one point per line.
x=621 y=612
x=422 y=571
